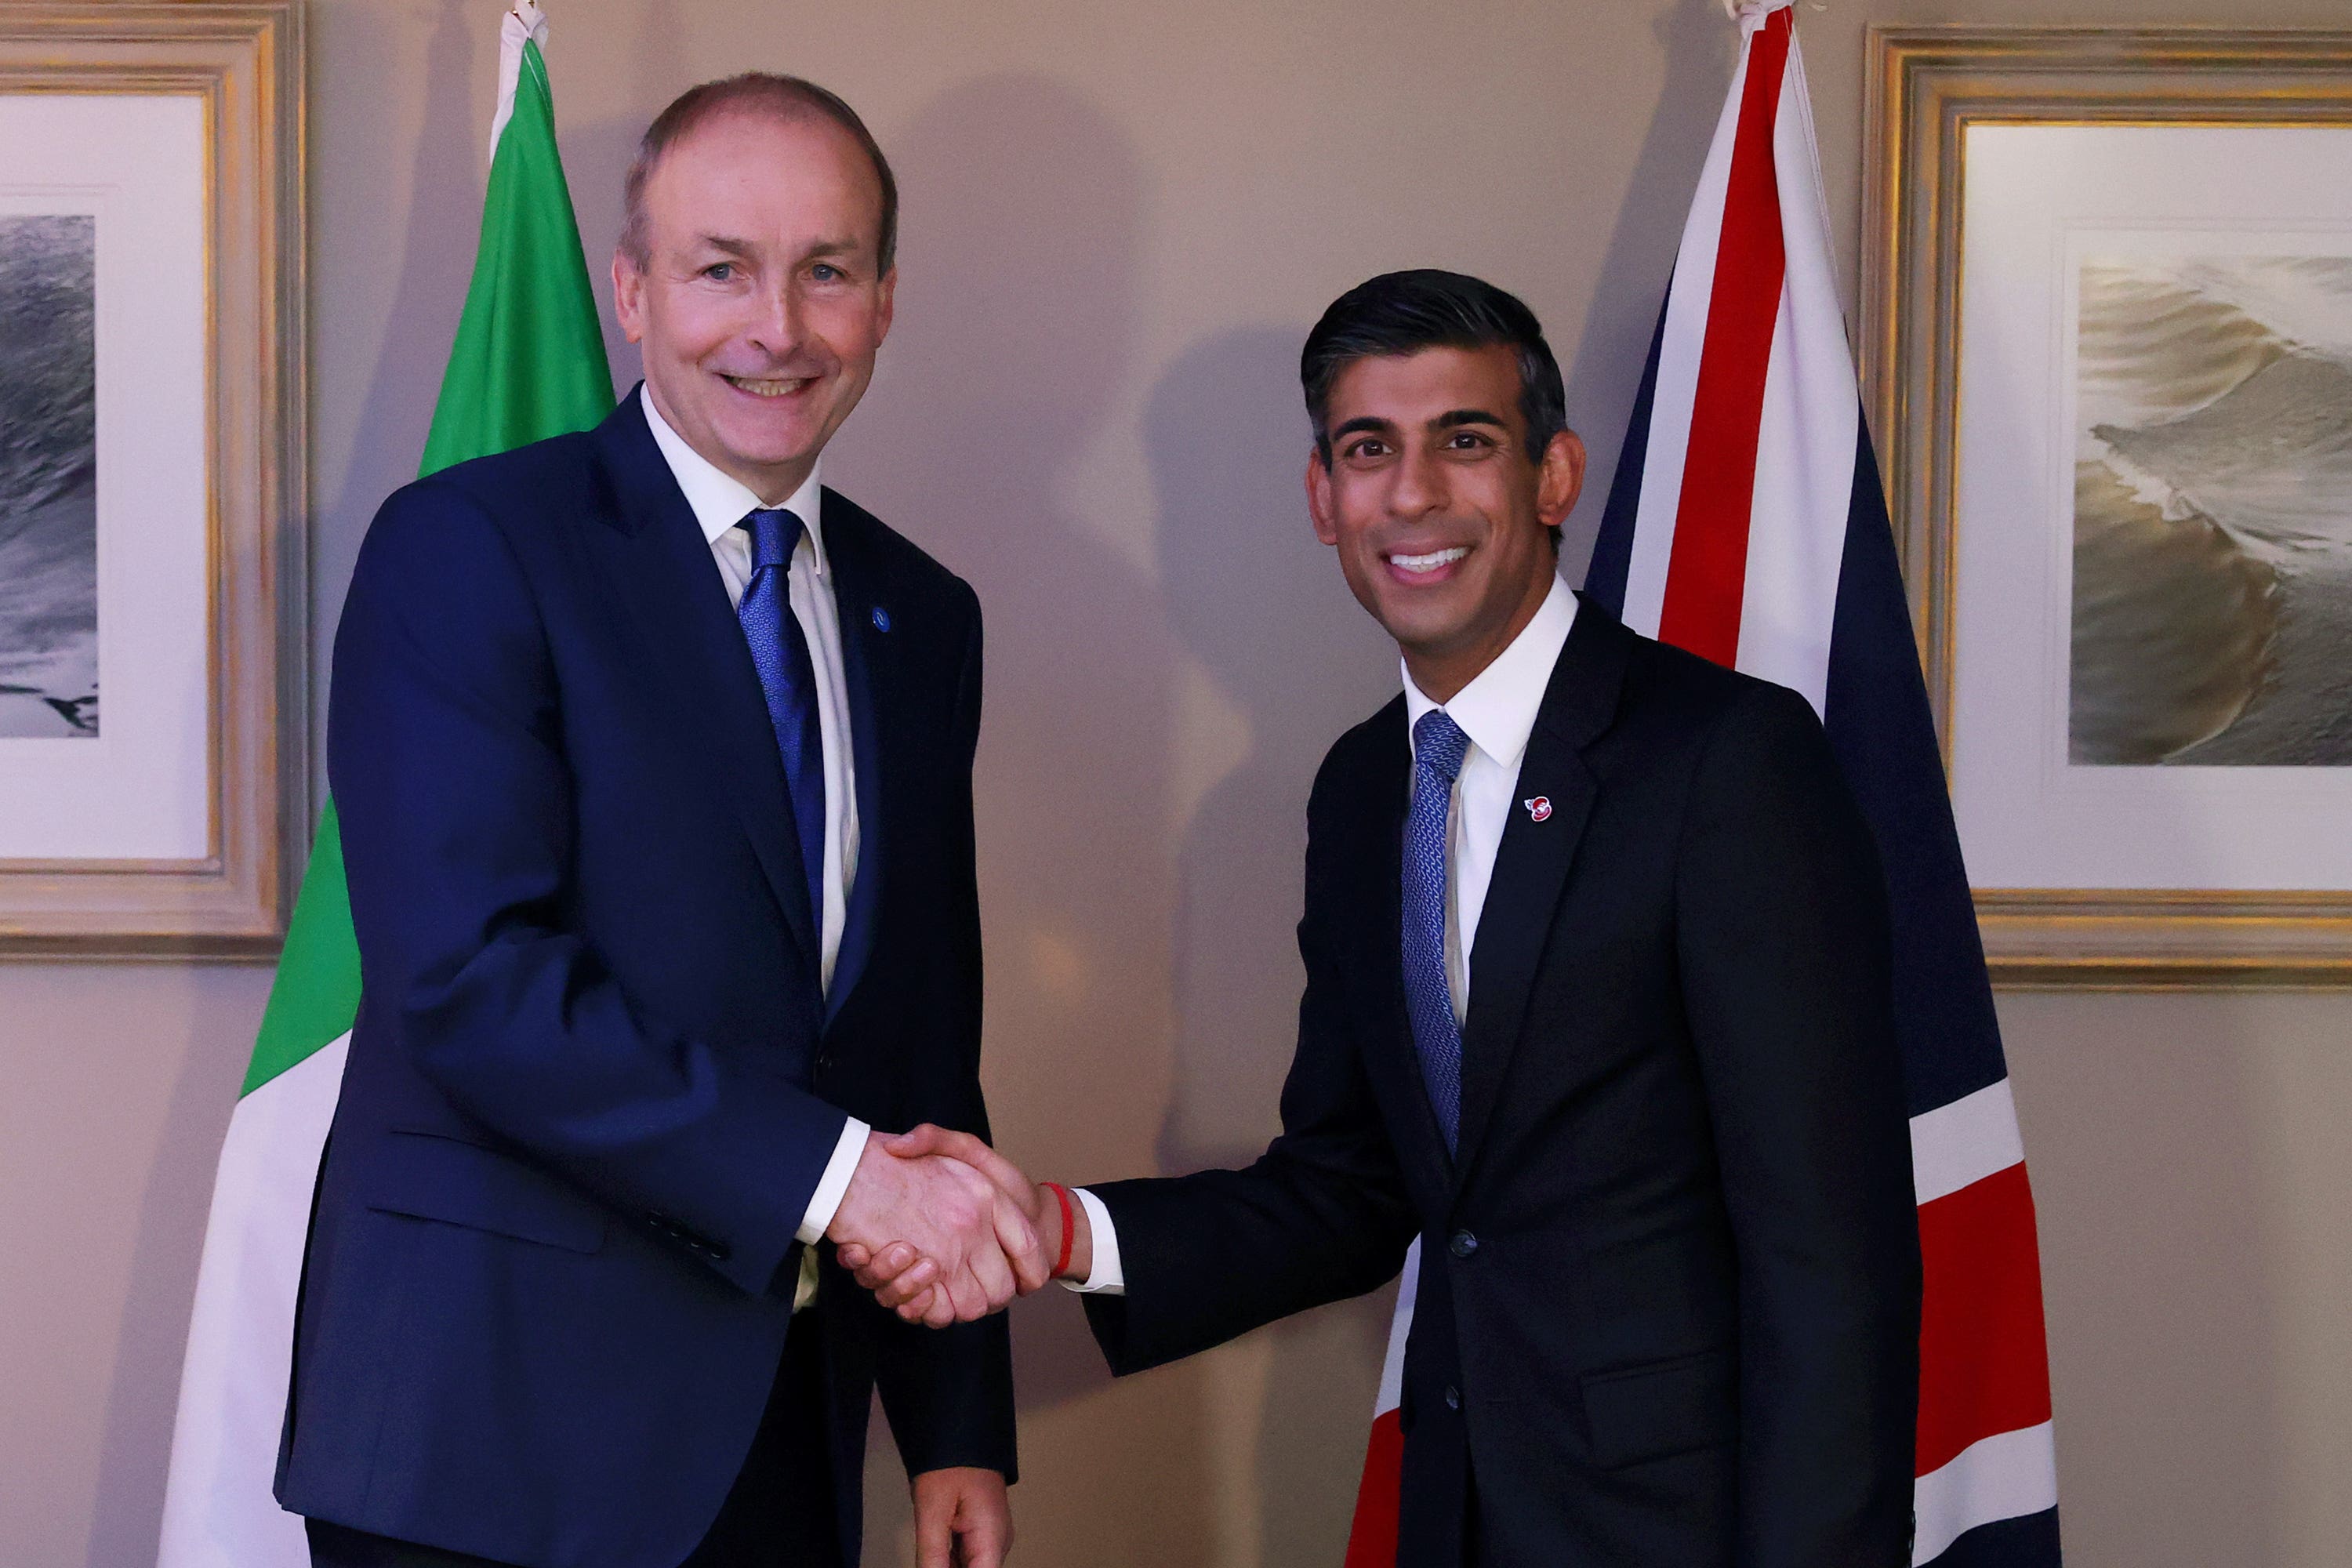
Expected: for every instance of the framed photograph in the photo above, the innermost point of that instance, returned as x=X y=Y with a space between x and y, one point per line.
x=153 y=618
x=2108 y=332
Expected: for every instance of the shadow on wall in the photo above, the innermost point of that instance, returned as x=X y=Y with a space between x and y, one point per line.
x=1016 y=319
x=443 y=214
x=1016 y=322
x=1701 y=51
x=1261 y=607
x=143 y=1400
x=1259 y=604
x=597 y=153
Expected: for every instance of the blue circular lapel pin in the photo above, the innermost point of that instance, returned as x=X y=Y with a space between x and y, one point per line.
x=881 y=619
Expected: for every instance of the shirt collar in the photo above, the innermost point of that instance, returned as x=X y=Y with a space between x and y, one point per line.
x=720 y=500
x=1497 y=710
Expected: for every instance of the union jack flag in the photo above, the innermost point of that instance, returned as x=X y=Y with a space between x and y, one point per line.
x=1746 y=523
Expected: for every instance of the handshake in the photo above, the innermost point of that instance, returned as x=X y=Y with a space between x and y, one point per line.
x=944 y=1230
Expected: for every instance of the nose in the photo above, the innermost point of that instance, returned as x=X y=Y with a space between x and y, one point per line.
x=778 y=328
x=1420 y=486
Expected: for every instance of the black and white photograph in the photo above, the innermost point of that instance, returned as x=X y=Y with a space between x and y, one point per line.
x=2212 y=544
x=147 y=356
x=48 y=468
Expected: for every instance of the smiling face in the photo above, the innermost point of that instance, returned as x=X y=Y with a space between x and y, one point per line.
x=760 y=302
x=1436 y=510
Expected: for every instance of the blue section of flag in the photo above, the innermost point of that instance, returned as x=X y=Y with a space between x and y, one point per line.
x=2030 y=1541
x=1882 y=730
x=1883 y=733
x=1613 y=552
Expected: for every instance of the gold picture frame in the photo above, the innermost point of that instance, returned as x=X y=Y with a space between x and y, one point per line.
x=240 y=721
x=1927 y=87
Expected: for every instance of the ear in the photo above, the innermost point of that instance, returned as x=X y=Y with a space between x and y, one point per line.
x=1559 y=479
x=1318 y=499
x=629 y=295
x=885 y=304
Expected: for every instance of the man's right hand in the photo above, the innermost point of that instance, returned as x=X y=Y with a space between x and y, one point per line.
x=981 y=1248
x=905 y=1281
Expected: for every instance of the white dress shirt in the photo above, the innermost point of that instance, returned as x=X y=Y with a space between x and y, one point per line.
x=719 y=502
x=1498 y=710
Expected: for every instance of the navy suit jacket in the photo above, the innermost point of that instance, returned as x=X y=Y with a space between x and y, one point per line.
x=595 y=1080
x=1669 y=1290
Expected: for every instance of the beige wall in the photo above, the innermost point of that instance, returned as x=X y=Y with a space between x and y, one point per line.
x=1120 y=220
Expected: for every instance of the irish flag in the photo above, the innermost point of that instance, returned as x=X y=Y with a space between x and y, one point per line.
x=1746 y=523
x=527 y=362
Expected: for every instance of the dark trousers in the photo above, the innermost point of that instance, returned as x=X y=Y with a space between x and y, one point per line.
x=779 y=1513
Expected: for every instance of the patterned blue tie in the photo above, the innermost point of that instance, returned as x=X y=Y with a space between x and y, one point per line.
x=1438 y=744
x=779 y=652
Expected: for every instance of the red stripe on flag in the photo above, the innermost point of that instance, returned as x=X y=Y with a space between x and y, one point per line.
x=1372 y=1539
x=1983 y=1368
x=1706 y=574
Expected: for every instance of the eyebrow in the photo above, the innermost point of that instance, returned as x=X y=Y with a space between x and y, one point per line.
x=729 y=245
x=1451 y=419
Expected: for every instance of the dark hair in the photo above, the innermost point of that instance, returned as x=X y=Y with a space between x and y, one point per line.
x=787 y=98
x=1404 y=312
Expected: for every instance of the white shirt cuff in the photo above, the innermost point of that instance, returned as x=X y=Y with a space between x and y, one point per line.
x=1107 y=1278
x=833 y=1186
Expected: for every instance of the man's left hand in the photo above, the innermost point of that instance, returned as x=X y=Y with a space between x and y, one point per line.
x=962 y=1519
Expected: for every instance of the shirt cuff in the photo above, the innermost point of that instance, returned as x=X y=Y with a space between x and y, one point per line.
x=834 y=1184
x=1107 y=1278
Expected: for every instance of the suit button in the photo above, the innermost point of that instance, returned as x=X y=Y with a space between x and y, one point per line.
x=1463 y=1243
x=1453 y=1397
x=824 y=1061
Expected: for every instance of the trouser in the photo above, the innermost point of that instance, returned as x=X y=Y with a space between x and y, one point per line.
x=779 y=1513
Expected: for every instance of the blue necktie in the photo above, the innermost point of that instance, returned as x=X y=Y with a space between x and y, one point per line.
x=779 y=652
x=1438 y=744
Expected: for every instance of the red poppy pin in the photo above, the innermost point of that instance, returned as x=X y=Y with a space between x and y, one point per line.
x=1539 y=807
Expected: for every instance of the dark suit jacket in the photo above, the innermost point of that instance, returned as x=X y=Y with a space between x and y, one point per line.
x=594 y=1082
x=1669 y=1296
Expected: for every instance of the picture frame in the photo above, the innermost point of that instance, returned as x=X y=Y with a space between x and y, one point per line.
x=2068 y=232
x=153 y=503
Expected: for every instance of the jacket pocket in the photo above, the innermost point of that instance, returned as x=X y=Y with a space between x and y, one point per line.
x=428 y=1177
x=1664 y=1407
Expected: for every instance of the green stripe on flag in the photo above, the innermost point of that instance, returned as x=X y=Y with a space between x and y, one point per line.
x=317 y=993
x=528 y=363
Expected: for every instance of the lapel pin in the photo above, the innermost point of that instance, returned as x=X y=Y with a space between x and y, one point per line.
x=1538 y=808
x=881 y=619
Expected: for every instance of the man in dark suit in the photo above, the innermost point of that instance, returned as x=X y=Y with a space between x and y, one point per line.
x=654 y=763
x=1597 y=1006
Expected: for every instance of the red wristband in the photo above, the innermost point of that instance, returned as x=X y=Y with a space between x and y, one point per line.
x=1069 y=1226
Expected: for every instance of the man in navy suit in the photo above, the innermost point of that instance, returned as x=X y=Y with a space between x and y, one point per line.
x=1598 y=1006
x=654 y=761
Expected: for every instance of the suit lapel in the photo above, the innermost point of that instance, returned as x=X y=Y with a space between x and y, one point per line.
x=1379 y=899
x=661 y=569
x=865 y=652
x=1532 y=863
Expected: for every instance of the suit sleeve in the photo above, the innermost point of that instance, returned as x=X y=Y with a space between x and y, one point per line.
x=1321 y=1216
x=1783 y=945
x=948 y=1393
x=446 y=754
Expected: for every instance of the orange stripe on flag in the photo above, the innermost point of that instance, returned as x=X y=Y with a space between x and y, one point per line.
x=1983 y=1367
